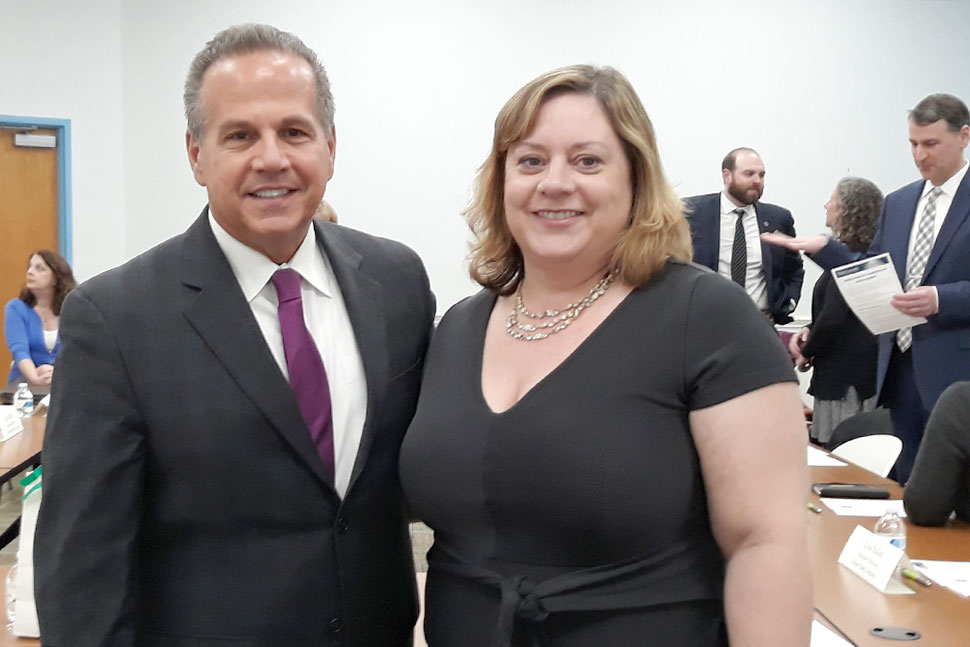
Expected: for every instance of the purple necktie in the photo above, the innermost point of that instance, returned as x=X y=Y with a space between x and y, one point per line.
x=308 y=378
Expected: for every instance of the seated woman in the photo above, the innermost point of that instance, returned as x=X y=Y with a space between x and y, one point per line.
x=836 y=343
x=596 y=428
x=30 y=323
x=940 y=482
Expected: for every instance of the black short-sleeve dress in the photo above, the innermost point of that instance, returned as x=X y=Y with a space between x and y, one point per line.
x=578 y=517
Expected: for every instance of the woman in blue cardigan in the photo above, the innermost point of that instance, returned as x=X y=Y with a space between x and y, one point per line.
x=30 y=321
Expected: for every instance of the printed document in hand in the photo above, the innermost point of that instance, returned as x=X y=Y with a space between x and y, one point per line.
x=868 y=287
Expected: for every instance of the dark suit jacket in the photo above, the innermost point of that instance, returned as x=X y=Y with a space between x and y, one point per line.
x=184 y=502
x=783 y=268
x=842 y=350
x=941 y=347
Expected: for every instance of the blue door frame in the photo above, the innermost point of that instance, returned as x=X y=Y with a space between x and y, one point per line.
x=63 y=130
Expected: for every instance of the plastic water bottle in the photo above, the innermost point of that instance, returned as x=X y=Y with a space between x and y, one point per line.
x=892 y=528
x=23 y=401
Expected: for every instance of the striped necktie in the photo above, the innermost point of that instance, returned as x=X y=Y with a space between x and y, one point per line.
x=917 y=260
x=739 y=252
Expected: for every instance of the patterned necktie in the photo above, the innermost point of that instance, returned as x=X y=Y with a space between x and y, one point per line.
x=739 y=252
x=308 y=378
x=917 y=260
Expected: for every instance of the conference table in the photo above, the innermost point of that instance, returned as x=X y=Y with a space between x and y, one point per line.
x=23 y=450
x=852 y=606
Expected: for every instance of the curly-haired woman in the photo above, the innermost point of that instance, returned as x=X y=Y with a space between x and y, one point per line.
x=836 y=343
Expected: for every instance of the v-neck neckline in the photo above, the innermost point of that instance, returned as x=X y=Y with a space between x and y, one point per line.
x=550 y=376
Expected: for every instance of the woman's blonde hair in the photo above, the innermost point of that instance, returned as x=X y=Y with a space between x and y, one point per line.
x=658 y=229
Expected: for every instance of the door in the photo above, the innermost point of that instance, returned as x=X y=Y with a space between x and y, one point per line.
x=28 y=214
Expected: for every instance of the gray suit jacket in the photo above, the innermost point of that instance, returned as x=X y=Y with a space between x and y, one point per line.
x=184 y=502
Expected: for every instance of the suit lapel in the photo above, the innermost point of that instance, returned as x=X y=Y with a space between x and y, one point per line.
x=959 y=210
x=898 y=245
x=765 y=225
x=712 y=225
x=363 y=296
x=221 y=316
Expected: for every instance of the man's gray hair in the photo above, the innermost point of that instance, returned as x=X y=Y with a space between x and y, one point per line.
x=246 y=39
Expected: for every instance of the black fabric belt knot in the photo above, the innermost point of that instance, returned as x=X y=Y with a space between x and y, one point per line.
x=638 y=582
x=519 y=602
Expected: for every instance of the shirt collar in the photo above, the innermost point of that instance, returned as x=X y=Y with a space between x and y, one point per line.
x=728 y=207
x=253 y=270
x=950 y=186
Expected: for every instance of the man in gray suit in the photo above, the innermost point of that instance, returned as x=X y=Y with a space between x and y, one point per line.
x=197 y=492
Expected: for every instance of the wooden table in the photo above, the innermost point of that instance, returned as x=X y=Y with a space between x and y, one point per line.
x=853 y=606
x=23 y=450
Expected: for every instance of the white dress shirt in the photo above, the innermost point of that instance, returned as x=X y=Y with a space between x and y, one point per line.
x=325 y=315
x=947 y=191
x=754 y=282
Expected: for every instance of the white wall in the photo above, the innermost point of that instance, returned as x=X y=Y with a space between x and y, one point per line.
x=821 y=89
x=62 y=60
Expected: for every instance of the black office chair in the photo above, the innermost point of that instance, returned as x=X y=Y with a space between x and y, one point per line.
x=867 y=423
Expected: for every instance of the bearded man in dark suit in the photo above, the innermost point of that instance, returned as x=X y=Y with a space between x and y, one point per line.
x=725 y=229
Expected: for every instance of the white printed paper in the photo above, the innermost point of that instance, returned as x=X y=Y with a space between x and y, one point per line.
x=864 y=507
x=822 y=636
x=818 y=458
x=953 y=575
x=868 y=287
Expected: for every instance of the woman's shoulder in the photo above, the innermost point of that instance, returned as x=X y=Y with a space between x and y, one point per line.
x=685 y=273
x=697 y=285
x=16 y=304
x=469 y=309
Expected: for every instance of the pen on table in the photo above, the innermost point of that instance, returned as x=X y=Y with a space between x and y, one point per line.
x=919 y=578
x=814 y=508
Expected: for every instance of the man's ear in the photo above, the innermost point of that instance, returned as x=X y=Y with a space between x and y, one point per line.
x=332 y=145
x=193 y=149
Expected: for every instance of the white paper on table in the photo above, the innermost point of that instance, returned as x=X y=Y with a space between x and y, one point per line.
x=818 y=458
x=822 y=636
x=864 y=507
x=868 y=287
x=953 y=575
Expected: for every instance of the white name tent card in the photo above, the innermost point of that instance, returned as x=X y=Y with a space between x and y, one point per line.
x=10 y=422
x=875 y=559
